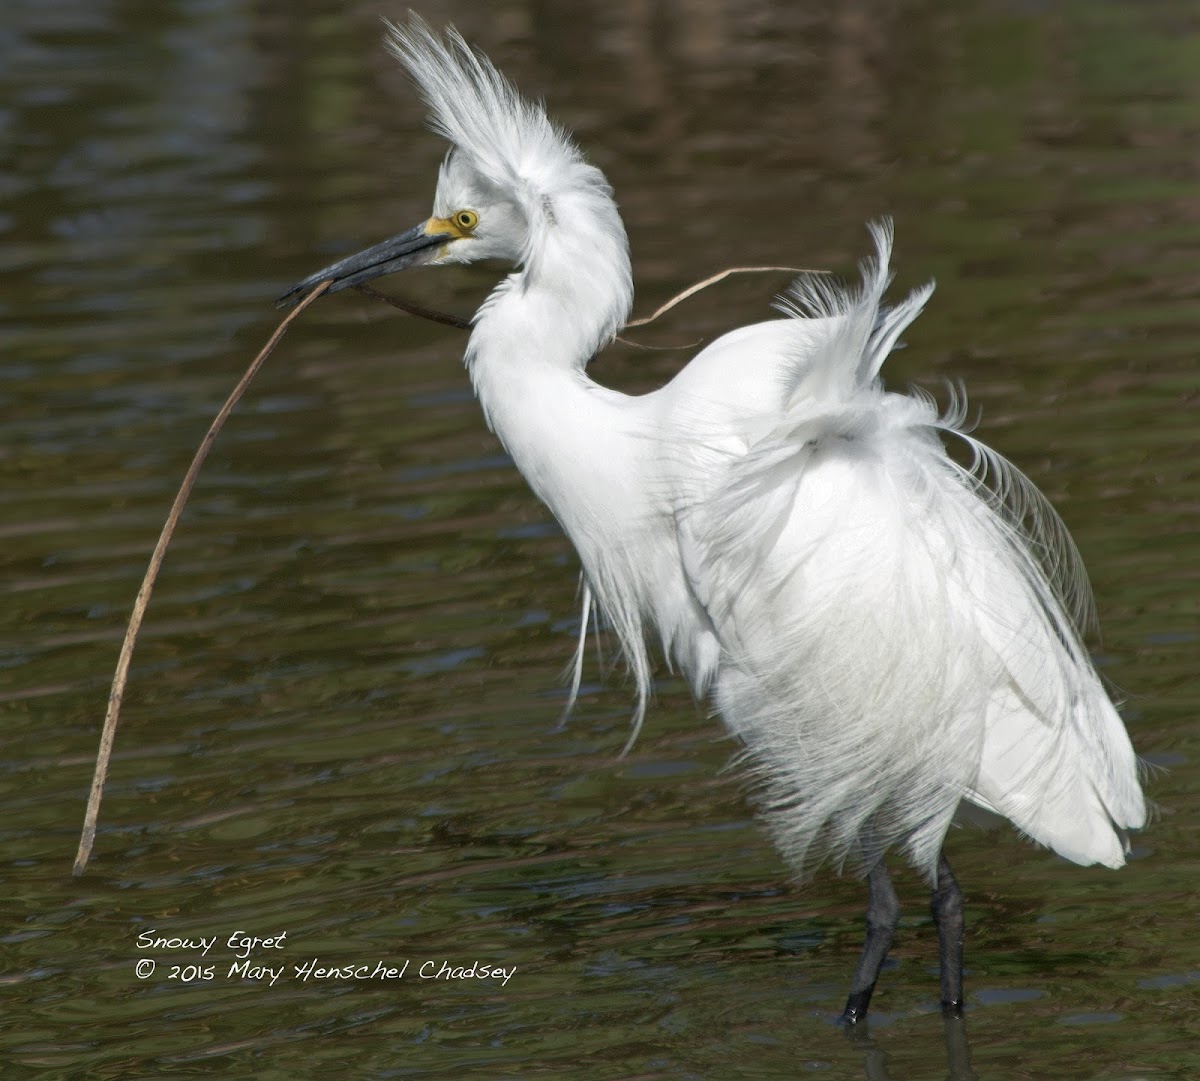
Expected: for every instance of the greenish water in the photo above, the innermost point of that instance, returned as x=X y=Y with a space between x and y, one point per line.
x=341 y=718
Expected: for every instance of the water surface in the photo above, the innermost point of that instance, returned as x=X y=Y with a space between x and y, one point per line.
x=341 y=721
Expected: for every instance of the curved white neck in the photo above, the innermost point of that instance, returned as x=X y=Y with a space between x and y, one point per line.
x=531 y=342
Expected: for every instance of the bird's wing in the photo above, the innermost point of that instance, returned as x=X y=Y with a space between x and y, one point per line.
x=890 y=640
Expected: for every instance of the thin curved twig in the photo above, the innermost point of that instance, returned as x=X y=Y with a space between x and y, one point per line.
x=108 y=734
x=117 y=693
x=691 y=290
x=434 y=316
x=459 y=323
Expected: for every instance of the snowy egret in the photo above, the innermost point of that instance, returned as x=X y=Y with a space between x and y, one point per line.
x=894 y=637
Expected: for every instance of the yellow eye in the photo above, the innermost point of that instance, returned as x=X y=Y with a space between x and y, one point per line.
x=466 y=219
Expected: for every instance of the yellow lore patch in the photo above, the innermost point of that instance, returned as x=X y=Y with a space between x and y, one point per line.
x=459 y=225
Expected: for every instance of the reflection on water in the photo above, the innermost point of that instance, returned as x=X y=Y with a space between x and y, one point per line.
x=342 y=715
x=958 y=1052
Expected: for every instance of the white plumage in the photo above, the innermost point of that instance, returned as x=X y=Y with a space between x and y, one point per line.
x=888 y=633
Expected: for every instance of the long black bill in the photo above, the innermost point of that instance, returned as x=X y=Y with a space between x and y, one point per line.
x=411 y=248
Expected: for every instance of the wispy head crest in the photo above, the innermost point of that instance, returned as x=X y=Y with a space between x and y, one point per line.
x=508 y=140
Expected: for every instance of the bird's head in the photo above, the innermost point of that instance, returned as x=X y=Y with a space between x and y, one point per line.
x=510 y=176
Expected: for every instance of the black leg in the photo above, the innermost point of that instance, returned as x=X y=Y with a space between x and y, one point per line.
x=947 y=906
x=883 y=916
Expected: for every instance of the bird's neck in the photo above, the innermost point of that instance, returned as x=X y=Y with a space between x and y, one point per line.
x=568 y=300
x=530 y=344
x=571 y=295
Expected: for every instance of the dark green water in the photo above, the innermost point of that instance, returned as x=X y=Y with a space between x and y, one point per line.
x=341 y=718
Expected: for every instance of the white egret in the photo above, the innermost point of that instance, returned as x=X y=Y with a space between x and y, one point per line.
x=891 y=635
